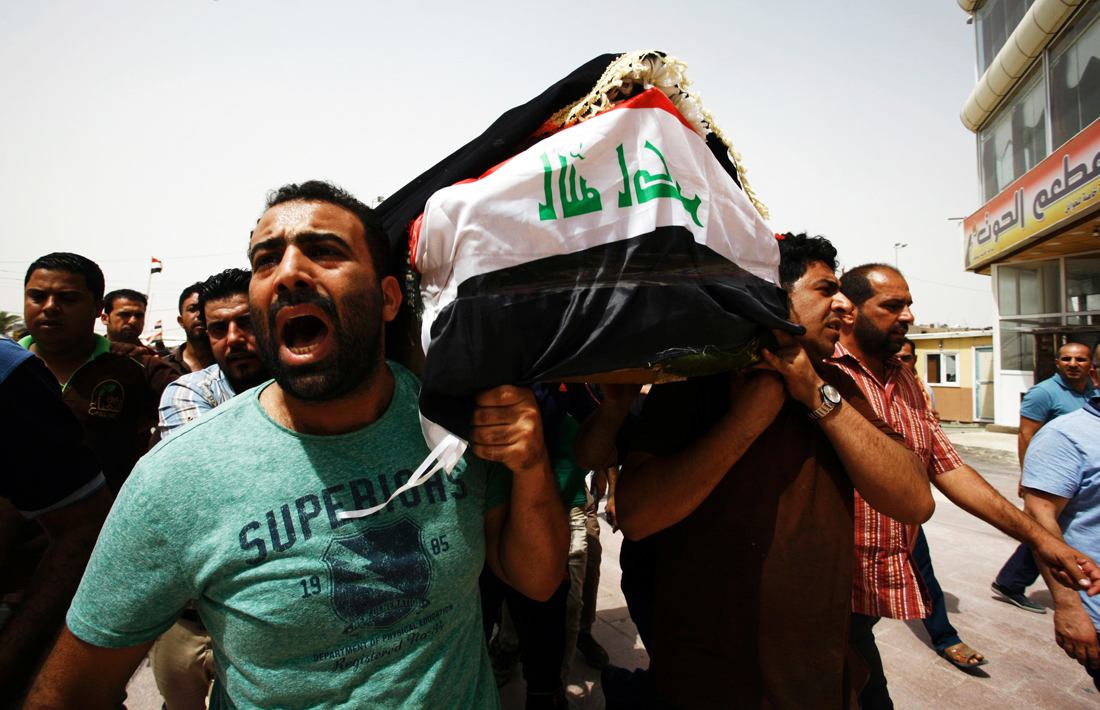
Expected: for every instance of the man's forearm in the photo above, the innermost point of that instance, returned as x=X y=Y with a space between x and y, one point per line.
x=535 y=540
x=967 y=489
x=595 y=443
x=654 y=493
x=80 y=675
x=38 y=617
x=888 y=476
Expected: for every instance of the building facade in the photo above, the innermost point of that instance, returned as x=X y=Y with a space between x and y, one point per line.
x=1034 y=112
x=958 y=368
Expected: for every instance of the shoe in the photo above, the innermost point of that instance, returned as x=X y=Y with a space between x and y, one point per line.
x=502 y=662
x=960 y=654
x=592 y=651
x=1018 y=599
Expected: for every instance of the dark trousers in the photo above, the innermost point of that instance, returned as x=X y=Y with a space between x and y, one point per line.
x=638 y=562
x=539 y=625
x=1020 y=572
x=939 y=627
x=875 y=695
x=624 y=689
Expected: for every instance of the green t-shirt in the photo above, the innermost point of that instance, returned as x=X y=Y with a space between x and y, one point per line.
x=569 y=474
x=305 y=610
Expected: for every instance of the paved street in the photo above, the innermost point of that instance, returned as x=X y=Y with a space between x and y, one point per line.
x=1026 y=670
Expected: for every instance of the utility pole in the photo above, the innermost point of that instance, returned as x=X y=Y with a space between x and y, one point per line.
x=897 y=247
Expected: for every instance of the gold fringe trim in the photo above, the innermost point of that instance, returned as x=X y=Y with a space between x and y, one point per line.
x=666 y=73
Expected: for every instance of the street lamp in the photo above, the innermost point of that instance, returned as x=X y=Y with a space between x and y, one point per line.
x=897 y=246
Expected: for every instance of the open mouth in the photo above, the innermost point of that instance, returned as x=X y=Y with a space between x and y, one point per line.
x=304 y=333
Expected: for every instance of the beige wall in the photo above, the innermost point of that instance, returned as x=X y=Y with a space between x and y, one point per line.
x=954 y=403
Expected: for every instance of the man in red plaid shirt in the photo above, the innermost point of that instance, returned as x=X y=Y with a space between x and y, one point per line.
x=887 y=582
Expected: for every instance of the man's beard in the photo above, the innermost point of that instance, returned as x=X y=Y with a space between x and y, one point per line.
x=246 y=381
x=356 y=351
x=876 y=343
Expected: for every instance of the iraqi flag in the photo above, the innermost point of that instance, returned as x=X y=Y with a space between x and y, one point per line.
x=619 y=247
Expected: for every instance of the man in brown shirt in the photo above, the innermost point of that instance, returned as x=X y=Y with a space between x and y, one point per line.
x=124 y=315
x=113 y=390
x=195 y=353
x=748 y=483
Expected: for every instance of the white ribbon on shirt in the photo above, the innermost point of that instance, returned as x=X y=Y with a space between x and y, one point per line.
x=445 y=455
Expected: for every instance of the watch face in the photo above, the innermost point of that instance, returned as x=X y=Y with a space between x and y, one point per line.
x=830 y=394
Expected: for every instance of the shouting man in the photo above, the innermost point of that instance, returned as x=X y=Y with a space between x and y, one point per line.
x=307 y=608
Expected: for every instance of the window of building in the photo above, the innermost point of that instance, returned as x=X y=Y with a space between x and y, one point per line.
x=1083 y=283
x=1075 y=77
x=942 y=368
x=1018 y=343
x=1015 y=140
x=1028 y=289
x=995 y=21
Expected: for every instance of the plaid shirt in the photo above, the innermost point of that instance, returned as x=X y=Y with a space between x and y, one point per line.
x=887 y=581
x=191 y=396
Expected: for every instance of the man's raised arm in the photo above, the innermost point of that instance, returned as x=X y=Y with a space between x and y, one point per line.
x=527 y=540
x=887 y=474
x=655 y=492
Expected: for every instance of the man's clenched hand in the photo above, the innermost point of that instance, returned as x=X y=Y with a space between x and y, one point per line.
x=507 y=428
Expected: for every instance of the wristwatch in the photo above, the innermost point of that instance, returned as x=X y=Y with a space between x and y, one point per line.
x=829 y=399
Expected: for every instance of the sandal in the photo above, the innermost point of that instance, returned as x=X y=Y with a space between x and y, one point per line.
x=960 y=654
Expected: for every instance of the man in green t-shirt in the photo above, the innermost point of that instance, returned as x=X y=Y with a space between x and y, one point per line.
x=307 y=609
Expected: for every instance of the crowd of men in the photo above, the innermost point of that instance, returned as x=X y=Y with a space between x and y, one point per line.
x=772 y=516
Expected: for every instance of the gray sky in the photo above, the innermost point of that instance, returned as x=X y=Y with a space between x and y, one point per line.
x=132 y=129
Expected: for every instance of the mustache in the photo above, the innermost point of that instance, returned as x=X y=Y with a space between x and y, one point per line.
x=301 y=298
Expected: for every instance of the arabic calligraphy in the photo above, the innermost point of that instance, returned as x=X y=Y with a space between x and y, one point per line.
x=1011 y=218
x=1071 y=179
x=577 y=198
x=573 y=201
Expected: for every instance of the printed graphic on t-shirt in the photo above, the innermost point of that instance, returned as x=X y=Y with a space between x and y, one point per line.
x=107 y=399
x=379 y=576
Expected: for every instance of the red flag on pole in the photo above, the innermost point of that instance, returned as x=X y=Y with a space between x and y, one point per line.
x=157 y=266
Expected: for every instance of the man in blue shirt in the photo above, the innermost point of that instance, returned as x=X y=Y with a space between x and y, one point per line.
x=1062 y=492
x=227 y=321
x=1065 y=392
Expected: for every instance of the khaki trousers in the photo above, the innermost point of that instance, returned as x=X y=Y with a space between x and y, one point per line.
x=183 y=666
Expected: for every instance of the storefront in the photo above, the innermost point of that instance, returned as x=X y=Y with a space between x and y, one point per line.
x=1038 y=233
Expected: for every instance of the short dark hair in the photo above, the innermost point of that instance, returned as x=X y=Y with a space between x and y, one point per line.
x=856 y=283
x=74 y=264
x=798 y=251
x=320 y=191
x=186 y=293
x=127 y=293
x=231 y=282
x=904 y=342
